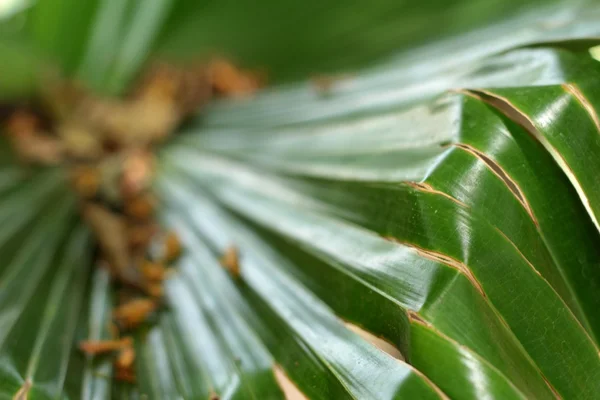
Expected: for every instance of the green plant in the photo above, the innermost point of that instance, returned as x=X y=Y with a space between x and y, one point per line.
x=461 y=226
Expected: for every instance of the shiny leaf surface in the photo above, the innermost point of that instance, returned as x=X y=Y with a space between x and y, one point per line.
x=444 y=182
x=426 y=228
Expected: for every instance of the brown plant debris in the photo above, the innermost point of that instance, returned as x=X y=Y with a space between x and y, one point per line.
x=139 y=235
x=172 y=247
x=125 y=374
x=85 y=180
x=30 y=142
x=125 y=358
x=107 y=146
x=231 y=261
x=153 y=271
x=109 y=229
x=228 y=80
x=131 y=314
x=105 y=346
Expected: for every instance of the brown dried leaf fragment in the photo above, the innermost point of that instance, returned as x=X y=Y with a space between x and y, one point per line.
x=161 y=81
x=195 y=89
x=104 y=346
x=130 y=124
x=140 y=235
x=155 y=290
x=134 y=312
x=125 y=358
x=229 y=80
x=125 y=375
x=110 y=230
x=141 y=207
x=85 y=180
x=80 y=142
x=172 y=247
x=32 y=145
x=153 y=271
x=22 y=122
x=39 y=148
x=136 y=177
x=186 y=88
x=111 y=172
x=230 y=261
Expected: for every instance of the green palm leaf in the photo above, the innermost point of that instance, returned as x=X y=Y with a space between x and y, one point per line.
x=442 y=204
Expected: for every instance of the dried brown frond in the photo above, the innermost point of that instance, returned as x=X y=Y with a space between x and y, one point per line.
x=104 y=346
x=134 y=312
x=231 y=262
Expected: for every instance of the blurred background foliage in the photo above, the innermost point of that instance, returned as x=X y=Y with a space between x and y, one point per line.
x=288 y=39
